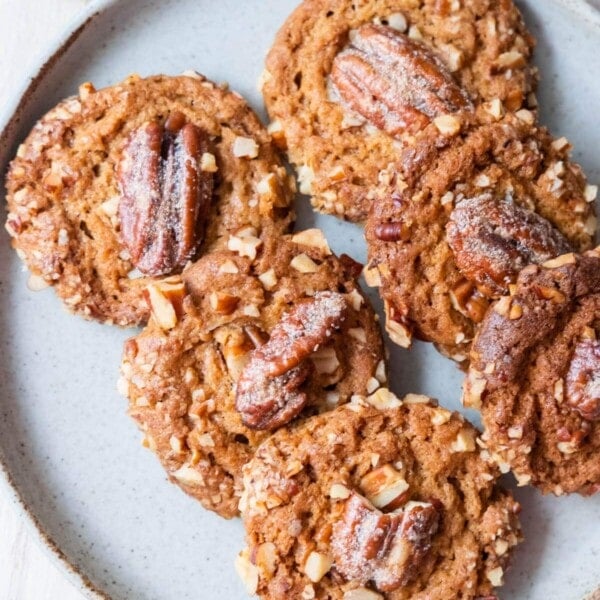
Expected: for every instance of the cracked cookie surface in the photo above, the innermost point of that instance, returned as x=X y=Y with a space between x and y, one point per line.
x=376 y=504
x=535 y=373
x=340 y=154
x=181 y=375
x=66 y=215
x=463 y=214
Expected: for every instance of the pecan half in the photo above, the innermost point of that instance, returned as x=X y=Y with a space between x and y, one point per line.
x=165 y=196
x=395 y=82
x=368 y=545
x=583 y=380
x=268 y=393
x=492 y=240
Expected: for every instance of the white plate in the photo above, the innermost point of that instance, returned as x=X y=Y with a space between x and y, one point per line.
x=73 y=458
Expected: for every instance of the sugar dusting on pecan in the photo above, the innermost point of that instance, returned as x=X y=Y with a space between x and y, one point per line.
x=388 y=549
x=583 y=380
x=165 y=196
x=395 y=82
x=493 y=240
x=269 y=393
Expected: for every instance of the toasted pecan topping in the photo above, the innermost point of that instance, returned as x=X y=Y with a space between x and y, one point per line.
x=388 y=549
x=493 y=240
x=395 y=82
x=268 y=392
x=302 y=330
x=165 y=196
x=583 y=380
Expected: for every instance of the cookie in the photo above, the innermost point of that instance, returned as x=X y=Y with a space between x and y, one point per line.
x=535 y=366
x=245 y=345
x=464 y=210
x=348 y=83
x=367 y=504
x=117 y=187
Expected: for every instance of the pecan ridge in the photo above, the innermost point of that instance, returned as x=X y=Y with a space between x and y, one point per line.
x=395 y=82
x=165 y=196
x=583 y=380
x=493 y=240
x=268 y=392
x=368 y=545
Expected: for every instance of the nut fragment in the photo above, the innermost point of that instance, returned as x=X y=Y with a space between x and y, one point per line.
x=268 y=392
x=316 y=566
x=509 y=60
x=372 y=276
x=368 y=545
x=448 y=125
x=385 y=488
x=493 y=240
x=165 y=196
x=383 y=399
x=469 y=301
x=495 y=576
x=208 y=163
x=245 y=243
x=583 y=380
x=36 y=283
x=473 y=389
x=244 y=147
x=247 y=572
x=268 y=279
x=395 y=82
x=304 y=264
x=313 y=238
x=165 y=299
x=325 y=360
x=560 y=261
x=339 y=492
x=223 y=303
x=464 y=442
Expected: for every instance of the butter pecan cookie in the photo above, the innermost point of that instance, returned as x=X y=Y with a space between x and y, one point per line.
x=348 y=83
x=249 y=340
x=117 y=187
x=465 y=210
x=367 y=504
x=535 y=375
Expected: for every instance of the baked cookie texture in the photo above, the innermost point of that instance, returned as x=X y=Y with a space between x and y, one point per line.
x=483 y=47
x=181 y=374
x=463 y=211
x=366 y=504
x=63 y=191
x=534 y=372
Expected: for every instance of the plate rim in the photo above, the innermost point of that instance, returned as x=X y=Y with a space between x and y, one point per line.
x=43 y=63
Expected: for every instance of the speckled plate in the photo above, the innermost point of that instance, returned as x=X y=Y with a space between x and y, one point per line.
x=72 y=461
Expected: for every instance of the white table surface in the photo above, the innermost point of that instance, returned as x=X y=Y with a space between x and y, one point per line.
x=26 y=29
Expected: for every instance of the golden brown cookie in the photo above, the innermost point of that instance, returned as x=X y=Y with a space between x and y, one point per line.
x=367 y=504
x=348 y=83
x=535 y=373
x=462 y=212
x=149 y=173
x=257 y=337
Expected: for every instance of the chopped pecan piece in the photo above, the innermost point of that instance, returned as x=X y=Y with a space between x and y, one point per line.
x=469 y=301
x=583 y=380
x=395 y=82
x=368 y=545
x=493 y=240
x=165 y=196
x=268 y=393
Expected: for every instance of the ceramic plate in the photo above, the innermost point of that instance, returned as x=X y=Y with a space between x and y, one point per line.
x=73 y=461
